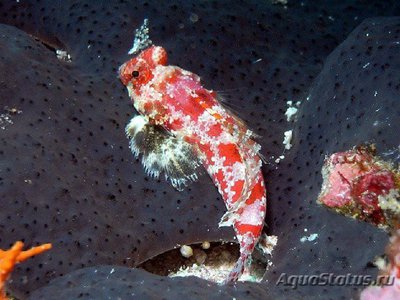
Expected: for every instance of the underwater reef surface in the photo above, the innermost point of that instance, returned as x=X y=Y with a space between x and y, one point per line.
x=113 y=282
x=68 y=176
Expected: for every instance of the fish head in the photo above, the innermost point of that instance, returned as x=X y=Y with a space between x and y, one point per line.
x=139 y=70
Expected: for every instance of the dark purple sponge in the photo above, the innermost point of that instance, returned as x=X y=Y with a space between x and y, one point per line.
x=113 y=282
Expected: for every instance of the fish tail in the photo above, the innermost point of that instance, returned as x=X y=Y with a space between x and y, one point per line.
x=249 y=225
x=251 y=215
x=238 y=269
x=236 y=172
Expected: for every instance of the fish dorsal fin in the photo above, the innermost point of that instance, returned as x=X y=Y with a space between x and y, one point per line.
x=163 y=153
x=242 y=126
x=142 y=39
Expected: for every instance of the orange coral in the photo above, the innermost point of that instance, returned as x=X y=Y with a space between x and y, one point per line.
x=9 y=258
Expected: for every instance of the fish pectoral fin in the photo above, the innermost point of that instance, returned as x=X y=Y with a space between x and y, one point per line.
x=228 y=219
x=181 y=162
x=163 y=153
x=232 y=215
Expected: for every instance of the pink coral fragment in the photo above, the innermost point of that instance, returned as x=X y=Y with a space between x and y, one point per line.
x=359 y=184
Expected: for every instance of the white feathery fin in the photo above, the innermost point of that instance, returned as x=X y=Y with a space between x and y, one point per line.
x=163 y=152
x=142 y=39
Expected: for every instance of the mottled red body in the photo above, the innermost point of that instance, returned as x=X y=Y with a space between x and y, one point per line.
x=359 y=184
x=173 y=98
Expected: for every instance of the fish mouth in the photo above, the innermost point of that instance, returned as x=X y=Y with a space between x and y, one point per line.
x=120 y=69
x=120 y=75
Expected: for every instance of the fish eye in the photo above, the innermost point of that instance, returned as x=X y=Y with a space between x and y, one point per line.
x=135 y=74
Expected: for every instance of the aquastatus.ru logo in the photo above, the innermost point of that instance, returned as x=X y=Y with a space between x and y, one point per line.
x=331 y=279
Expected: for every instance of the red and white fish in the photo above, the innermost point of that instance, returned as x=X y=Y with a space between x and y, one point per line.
x=182 y=126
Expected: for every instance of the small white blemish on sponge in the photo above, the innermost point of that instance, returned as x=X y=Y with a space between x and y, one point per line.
x=288 y=139
x=186 y=251
x=63 y=55
x=205 y=245
x=278 y=160
x=309 y=238
x=291 y=111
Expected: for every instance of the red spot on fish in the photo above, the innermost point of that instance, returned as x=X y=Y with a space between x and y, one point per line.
x=214 y=130
x=230 y=153
x=256 y=193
